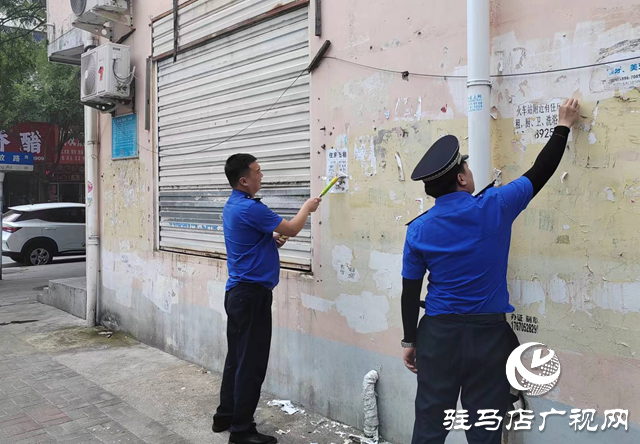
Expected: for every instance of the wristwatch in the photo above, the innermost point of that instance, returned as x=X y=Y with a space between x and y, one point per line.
x=408 y=344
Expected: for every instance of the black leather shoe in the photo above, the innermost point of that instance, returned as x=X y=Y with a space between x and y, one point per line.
x=251 y=438
x=221 y=425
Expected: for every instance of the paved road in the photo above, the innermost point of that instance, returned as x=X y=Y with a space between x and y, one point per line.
x=22 y=284
x=63 y=383
x=8 y=263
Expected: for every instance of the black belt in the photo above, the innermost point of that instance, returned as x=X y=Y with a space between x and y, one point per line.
x=473 y=318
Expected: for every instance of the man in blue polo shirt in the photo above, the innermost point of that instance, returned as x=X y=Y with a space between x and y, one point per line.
x=252 y=233
x=462 y=344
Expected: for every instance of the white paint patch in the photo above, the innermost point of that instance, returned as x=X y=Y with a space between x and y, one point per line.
x=592 y=139
x=118 y=274
x=392 y=195
x=341 y=258
x=121 y=284
x=558 y=291
x=408 y=109
x=357 y=40
x=400 y=167
x=527 y=292
x=566 y=227
x=610 y=192
x=216 y=292
x=364 y=151
x=530 y=55
x=369 y=93
x=579 y=294
x=163 y=291
x=365 y=313
x=497 y=177
x=457 y=90
x=317 y=304
x=620 y=297
x=388 y=268
x=124 y=292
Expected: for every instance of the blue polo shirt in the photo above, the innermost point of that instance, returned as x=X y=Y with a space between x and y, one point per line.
x=252 y=253
x=464 y=243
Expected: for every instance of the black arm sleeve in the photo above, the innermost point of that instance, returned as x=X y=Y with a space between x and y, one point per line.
x=548 y=159
x=410 y=307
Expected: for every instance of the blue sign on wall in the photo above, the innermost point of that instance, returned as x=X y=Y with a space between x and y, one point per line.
x=124 y=137
x=16 y=161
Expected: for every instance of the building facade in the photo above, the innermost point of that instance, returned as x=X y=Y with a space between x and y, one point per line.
x=232 y=79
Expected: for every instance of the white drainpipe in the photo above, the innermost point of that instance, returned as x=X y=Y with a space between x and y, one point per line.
x=91 y=145
x=479 y=84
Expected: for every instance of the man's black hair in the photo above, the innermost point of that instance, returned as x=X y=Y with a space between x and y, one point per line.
x=238 y=166
x=446 y=184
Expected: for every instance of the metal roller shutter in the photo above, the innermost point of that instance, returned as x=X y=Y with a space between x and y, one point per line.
x=210 y=94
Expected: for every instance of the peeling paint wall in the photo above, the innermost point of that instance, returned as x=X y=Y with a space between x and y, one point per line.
x=574 y=260
x=574 y=265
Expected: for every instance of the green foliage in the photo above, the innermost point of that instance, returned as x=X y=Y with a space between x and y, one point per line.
x=31 y=88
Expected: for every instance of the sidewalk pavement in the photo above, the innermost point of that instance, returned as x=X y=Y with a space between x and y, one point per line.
x=63 y=383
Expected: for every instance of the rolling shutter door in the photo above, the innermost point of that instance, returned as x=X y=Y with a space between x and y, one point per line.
x=209 y=95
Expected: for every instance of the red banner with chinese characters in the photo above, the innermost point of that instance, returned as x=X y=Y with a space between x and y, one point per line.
x=40 y=140
x=66 y=173
x=72 y=153
x=36 y=138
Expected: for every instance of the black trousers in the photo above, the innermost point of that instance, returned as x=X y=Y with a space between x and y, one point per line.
x=248 y=308
x=466 y=356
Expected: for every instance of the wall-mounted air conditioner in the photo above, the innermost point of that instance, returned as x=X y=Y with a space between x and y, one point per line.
x=106 y=75
x=100 y=16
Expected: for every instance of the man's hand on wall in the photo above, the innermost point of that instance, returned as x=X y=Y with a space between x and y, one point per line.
x=569 y=113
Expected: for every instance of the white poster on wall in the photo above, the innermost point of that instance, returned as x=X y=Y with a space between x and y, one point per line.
x=536 y=120
x=622 y=76
x=338 y=160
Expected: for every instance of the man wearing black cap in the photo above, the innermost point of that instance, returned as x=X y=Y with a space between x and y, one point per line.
x=462 y=344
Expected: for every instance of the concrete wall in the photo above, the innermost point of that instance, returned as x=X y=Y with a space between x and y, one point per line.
x=575 y=257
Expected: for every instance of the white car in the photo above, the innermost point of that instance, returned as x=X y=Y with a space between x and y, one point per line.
x=35 y=234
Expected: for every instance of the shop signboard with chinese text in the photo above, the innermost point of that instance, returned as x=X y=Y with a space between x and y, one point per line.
x=34 y=138
x=16 y=162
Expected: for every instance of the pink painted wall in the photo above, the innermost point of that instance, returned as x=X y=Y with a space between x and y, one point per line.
x=575 y=254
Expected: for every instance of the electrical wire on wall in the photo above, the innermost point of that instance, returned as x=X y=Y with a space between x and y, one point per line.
x=405 y=75
x=123 y=82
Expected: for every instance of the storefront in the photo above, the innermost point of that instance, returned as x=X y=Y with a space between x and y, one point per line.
x=49 y=182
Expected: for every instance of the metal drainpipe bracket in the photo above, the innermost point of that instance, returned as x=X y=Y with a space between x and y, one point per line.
x=93 y=240
x=476 y=82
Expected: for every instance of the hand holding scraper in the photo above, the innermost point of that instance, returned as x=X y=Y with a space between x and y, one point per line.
x=339 y=178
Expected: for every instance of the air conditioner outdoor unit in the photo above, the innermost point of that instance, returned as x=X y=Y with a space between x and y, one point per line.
x=106 y=74
x=81 y=7
x=98 y=16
